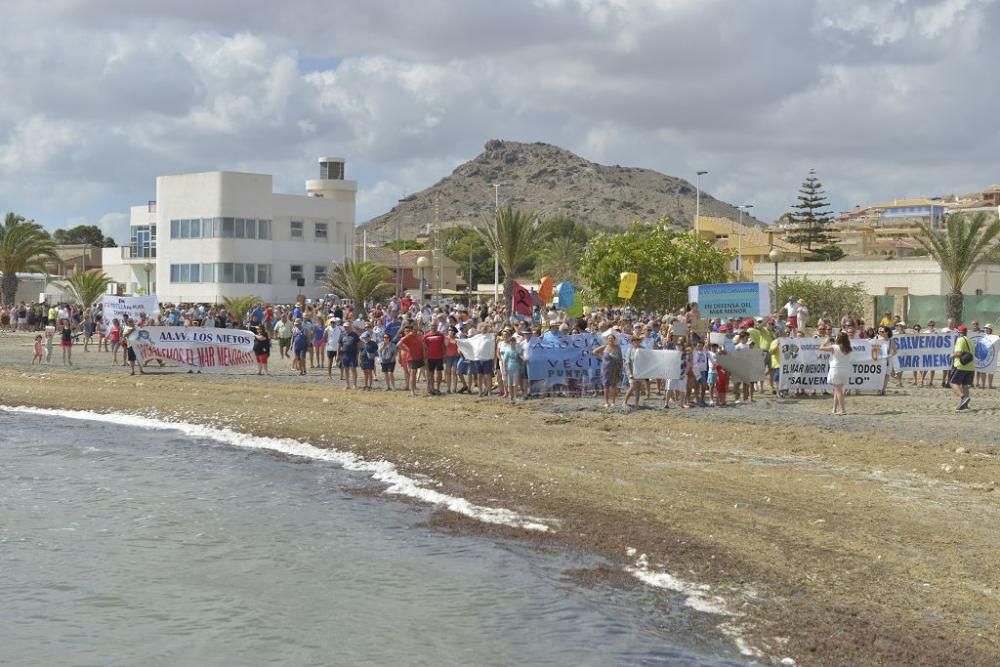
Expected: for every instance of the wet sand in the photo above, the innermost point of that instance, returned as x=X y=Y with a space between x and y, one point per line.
x=869 y=539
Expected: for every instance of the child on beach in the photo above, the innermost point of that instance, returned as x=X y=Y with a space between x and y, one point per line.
x=38 y=351
x=50 y=333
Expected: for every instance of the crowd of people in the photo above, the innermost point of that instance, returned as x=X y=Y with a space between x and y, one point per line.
x=403 y=345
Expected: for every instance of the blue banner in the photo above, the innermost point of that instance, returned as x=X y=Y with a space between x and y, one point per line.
x=731 y=299
x=566 y=360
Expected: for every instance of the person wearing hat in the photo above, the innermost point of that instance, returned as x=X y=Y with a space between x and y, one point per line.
x=988 y=330
x=331 y=336
x=963 y=368
x=368 y=355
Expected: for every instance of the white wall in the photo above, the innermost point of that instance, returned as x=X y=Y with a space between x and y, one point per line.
x=916 y=276
x=240 y=195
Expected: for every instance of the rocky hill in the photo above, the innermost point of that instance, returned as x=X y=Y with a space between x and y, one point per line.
x=550 y=180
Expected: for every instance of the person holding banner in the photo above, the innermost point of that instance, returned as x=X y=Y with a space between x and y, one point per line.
x=840 y=369
x=611 y=368
x=634 y=385
x=964 y=368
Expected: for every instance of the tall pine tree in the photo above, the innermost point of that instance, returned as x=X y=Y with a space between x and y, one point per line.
x=811 y=217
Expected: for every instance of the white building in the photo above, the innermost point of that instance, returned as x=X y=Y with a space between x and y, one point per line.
x=224 y=234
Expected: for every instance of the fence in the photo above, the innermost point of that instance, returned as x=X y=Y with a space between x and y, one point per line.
x=985 y=308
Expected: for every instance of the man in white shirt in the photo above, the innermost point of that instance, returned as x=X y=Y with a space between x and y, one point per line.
x=332 y=334
x=792 y=311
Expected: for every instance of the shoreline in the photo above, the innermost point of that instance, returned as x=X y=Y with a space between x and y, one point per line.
x=810 y=545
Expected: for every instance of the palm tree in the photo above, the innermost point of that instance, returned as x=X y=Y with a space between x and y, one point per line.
x=359 y=281
x=24 y=247
x=959 y=249
x=87 y=286
x=559 y=258
x=238 y=306
x=513 y=238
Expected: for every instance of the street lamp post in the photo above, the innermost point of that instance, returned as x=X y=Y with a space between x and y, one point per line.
x=775 y=256
x=422 y=264
x=697 y=202
x=148 y=268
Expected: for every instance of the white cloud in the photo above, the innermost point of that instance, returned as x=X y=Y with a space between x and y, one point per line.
x=883 y=97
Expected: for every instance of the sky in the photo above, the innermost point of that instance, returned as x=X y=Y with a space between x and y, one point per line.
x=884 y=98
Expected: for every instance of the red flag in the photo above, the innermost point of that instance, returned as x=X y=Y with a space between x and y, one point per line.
x=522 y=300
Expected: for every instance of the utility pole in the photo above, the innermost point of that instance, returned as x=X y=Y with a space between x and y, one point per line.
x=399 y=263
x=697 y=202
x=496 y=251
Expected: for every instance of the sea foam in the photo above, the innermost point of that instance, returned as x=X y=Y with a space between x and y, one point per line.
x=382 y=471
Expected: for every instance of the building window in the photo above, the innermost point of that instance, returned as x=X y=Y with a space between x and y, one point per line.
x=296 y=229
x=207 y=228
x=263 y=229
x=264 y=274
x=208 y=273
x=251 y=228
x=227 y=272
x=319 y=273
x=296 y=273
x=228 y=225
x=320 y=231
x=241 y=228
x=239 y=276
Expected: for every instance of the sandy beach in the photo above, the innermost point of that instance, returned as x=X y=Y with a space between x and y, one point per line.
x=869 y=539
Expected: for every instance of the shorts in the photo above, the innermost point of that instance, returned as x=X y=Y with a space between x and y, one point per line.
x=702 y=378
x=262 y=358
x=451 y=362
x=711 y=378
x=331 y=354
x=130 y=354
x=962 y=378
x=348 y=362
x=776 y=374
x=464 y=367
x=512 y=378
x=484 y=367
x=435 y=365
x=66 y=343
x=284 y=342
x=389 y=367
x=367 y=365
x=415 y=364
x=300 y=354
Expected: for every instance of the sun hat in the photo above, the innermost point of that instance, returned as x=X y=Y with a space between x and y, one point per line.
x=987 y=326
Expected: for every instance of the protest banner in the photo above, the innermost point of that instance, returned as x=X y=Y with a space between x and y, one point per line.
x=804 y=366
x=626 y=285
x=656 y=364
x=194 y=348
x=716 y=338
x=701 y=327
x=679 y=329
x=481 y=347
x=744 y=365
x=984 y=350
x=566 y=361
x=731 y=299
x=117 y=307
x=924 y=352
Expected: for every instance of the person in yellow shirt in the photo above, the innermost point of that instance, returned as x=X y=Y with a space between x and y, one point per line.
x=887 y=320
x=774 y=350
x=964 y=367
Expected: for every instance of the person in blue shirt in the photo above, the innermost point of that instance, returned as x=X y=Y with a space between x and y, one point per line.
x=350 y=344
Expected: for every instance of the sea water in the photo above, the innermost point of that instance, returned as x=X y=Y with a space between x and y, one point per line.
x=125 y=546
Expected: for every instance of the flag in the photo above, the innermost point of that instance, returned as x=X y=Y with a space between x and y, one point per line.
x=522 y=300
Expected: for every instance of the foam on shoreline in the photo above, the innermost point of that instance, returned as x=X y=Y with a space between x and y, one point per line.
x=381 y=471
